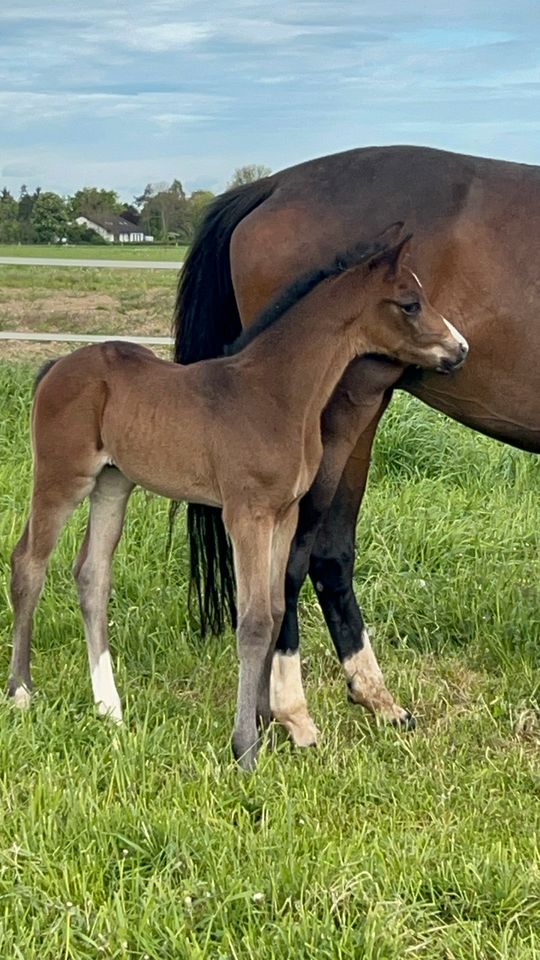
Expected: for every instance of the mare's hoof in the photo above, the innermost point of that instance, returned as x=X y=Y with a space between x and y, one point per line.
x=405 y=722
x=304 y=736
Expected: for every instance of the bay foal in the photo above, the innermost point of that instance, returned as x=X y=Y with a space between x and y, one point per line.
x=239 y=432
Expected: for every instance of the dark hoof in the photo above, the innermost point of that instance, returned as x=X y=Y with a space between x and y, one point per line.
x=246 y=757
x=406 y=722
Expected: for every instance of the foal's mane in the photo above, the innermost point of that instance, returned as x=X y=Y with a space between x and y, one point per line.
x=299 y=289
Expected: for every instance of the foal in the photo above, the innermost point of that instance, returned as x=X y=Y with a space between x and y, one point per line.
x=241 y=432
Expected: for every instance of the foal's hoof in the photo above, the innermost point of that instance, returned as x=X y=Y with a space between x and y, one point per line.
x=112 y=712
x=246 y=757
x=19 y=696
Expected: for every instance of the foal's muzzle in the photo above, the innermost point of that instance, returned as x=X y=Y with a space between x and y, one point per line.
x=448 y=364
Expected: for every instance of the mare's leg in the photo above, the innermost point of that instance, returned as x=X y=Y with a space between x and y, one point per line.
x=348 y=428
x=53 y=500
x=251 y=537
x=331 y=570
x=327 y=527
x=92 y=571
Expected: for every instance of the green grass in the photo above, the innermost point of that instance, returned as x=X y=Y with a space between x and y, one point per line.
x=91 y=252
x=148 y=842
x=86 y=300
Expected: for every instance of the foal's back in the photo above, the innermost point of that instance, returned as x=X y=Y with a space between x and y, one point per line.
x=118 y=403
x=171 y=429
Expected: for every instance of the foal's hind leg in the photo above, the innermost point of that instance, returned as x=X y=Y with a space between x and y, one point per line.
x=53 y=500
x=92 y=571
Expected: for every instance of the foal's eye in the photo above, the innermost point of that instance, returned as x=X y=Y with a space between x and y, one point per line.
x=410 y=309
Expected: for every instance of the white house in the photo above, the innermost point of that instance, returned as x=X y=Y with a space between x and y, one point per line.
x=115 y=229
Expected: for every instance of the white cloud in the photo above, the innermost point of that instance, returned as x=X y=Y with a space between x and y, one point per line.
x=166 y=36
x=140 y=90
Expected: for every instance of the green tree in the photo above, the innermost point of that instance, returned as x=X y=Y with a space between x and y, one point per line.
x=130 y=213
x=49 y=217
x=197 y=204
x=165 y=212
x=24 y=214
x=79 y=233
x=248 y=174
x=9 y=227
x=94 y=202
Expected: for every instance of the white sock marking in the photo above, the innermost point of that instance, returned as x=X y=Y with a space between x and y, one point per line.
x=288 y=701
x=104 y=687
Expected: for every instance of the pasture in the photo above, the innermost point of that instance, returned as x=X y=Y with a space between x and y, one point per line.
x=90 y=251
x=148 y=842
x=82 y=300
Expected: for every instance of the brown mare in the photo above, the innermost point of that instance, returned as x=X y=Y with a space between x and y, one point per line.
x=239 y=432
x=476 y=226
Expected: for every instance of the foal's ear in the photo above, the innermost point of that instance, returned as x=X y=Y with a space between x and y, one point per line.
x=392 y=257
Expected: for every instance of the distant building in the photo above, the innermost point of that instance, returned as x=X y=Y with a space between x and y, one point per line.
x=115 y=229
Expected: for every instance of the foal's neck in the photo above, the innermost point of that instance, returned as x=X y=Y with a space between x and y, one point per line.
x=303 y=355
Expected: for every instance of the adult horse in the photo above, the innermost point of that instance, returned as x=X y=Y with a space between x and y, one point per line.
x=476 y=225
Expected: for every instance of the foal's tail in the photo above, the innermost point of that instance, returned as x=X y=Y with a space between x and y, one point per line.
x=206 y=319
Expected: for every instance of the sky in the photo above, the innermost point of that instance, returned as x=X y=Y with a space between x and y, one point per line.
x=119 y=94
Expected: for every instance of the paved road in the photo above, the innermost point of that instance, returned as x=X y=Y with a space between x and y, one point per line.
x=80 y=338
x=110 y=264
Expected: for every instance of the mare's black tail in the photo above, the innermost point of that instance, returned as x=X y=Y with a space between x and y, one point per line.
x=206 y=319
x=43 y=371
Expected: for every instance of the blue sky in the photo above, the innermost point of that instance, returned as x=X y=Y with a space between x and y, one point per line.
x=120 y=94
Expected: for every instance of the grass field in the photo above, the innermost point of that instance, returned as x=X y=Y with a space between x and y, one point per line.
x=148 y=842
x=91 y=252
x=85 y=300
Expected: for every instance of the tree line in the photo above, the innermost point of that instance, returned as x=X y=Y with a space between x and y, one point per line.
x=163 y=211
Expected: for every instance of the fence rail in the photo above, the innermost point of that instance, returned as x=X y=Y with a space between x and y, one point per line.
x=81 y=338
x=109 y=264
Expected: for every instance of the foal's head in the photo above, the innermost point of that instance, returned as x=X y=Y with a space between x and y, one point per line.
x=394 y=316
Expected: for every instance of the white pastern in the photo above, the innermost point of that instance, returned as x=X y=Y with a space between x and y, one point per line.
x=287 y=699
x=104 y=687
x=366 y=683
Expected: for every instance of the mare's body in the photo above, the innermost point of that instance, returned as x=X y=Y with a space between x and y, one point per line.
x=476 y=225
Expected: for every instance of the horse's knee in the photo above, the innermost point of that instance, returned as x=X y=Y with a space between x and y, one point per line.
x=254 y=630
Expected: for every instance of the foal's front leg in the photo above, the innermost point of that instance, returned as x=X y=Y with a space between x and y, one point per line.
x=251 y=537
x=92 y=571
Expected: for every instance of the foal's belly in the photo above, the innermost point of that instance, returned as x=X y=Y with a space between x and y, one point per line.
x=177 y=472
